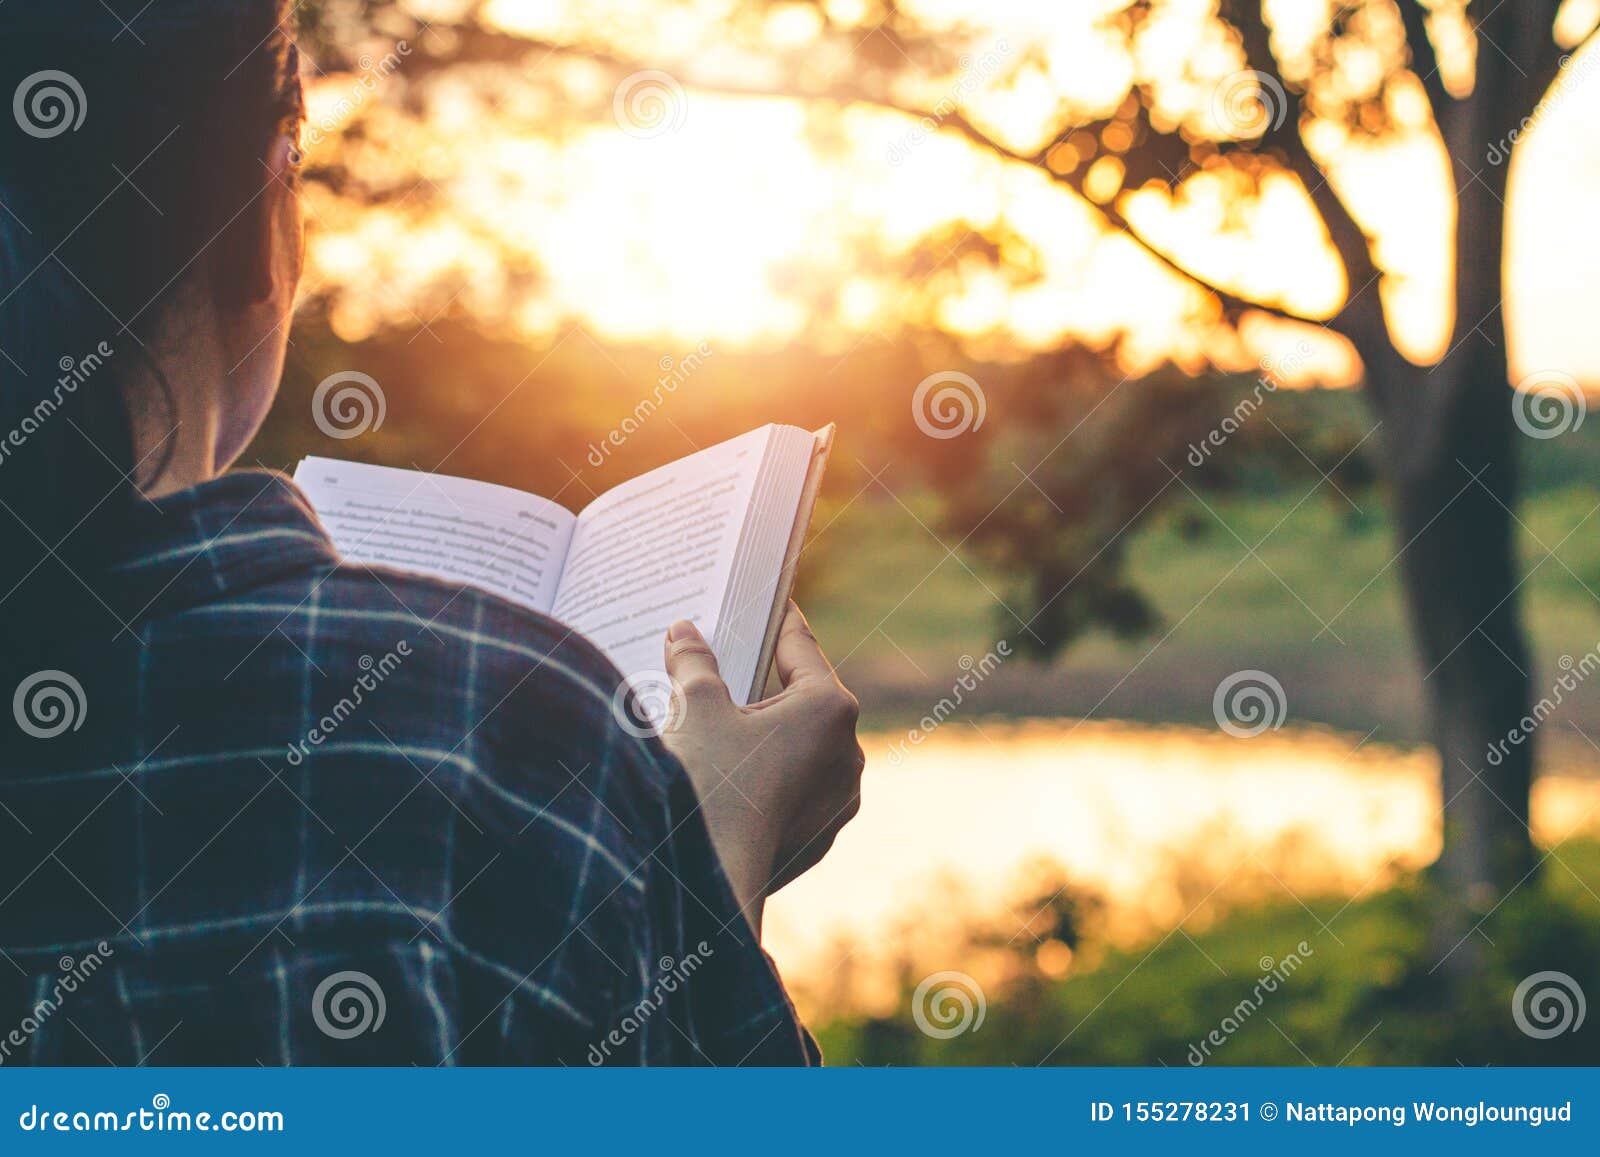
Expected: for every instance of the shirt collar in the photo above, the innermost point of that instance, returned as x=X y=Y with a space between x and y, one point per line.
x=202 y=544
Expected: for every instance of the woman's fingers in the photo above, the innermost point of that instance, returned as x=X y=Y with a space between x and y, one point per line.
x=692 y=666
x=799 y=656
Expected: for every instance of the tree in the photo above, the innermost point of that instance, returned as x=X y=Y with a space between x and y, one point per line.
x=1471 y=73
x=1448 y=443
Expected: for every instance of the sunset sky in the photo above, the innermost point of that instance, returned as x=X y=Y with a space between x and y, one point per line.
x=759 y=221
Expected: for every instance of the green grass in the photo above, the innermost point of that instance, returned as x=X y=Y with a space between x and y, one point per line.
x=1364 y=989
x=1318 y=603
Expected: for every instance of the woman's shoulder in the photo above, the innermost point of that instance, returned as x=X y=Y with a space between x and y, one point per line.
x=448 y=667
x=524 y=696
x=462 y=623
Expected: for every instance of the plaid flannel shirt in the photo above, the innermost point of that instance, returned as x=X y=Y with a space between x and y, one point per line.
x=301 y=812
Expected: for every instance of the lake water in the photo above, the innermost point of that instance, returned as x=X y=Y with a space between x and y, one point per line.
x=1165 y=822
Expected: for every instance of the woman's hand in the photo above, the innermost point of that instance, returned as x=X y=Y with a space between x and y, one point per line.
x=778 y=779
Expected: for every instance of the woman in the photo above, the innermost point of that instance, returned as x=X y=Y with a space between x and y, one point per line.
x=476 y=864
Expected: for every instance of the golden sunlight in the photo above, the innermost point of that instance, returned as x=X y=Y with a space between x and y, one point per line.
x=753 y=219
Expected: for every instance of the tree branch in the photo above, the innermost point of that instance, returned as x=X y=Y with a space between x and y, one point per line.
x=483 y=45
x=1536 y=38
x=1424 y=60
x=1360 y=318
x=1232 y=303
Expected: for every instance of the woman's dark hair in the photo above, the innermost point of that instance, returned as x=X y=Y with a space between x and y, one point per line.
x=131 y=149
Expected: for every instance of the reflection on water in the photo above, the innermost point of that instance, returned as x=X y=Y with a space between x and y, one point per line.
x=1161 y=821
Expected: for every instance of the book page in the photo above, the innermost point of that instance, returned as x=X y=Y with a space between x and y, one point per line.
x=763 y=578
x=657 y=549
x=509 y=543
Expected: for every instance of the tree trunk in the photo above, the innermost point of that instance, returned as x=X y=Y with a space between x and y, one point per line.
x=1451 y=455
x=1454 y=518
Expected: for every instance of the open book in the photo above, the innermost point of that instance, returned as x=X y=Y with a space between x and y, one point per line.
x=712 y=538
